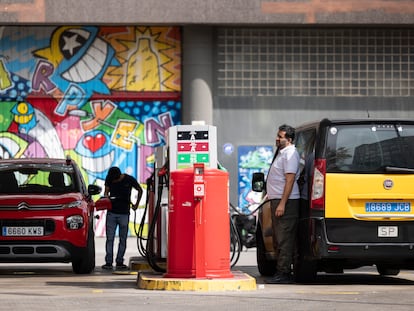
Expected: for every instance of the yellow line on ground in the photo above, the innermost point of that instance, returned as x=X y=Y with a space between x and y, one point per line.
x=327 y=292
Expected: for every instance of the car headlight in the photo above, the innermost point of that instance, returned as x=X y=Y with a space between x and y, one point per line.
x=73 y=204
x=74 y=222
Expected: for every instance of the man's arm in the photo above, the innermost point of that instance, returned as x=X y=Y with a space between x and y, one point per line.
x=106 y=192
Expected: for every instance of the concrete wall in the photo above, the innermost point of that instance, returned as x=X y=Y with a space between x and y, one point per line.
x=208 y=12
x=239 y=120
x=198 y=74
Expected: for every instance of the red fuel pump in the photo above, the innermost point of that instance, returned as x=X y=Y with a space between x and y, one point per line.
x=199 y=224
x=199 y=228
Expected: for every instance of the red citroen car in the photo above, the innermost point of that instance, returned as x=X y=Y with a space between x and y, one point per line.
x=46 y=213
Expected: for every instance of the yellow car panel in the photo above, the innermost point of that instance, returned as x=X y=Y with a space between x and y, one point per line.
x=346 y=196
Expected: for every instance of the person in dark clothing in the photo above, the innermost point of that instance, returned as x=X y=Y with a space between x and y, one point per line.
x=118 y=188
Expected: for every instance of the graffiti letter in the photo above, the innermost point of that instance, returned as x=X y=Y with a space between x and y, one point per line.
x=74 y=96
x=101 y=111
x=146 y=161
x=41 y=77
x=155 y=130
x=122 y=134
x=5 y=81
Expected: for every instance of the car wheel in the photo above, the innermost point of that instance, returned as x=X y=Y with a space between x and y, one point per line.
x=266 y=267
x=86 y=263
x=387 y=270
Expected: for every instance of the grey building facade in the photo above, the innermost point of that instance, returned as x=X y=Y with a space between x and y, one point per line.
x=250 y=65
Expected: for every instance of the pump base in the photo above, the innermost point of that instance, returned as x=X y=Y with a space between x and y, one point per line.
x=156 y=281
x=141 y=264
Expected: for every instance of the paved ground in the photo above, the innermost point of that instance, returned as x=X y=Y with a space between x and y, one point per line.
x=51 y=287
x=131 y=251
x=247 y=257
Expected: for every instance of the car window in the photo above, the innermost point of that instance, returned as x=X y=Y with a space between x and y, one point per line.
x=305 y=142
x=36 y=180
x=369 y=148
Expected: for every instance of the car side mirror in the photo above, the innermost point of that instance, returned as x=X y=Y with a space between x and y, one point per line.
x=94 y=189
x=258 y=182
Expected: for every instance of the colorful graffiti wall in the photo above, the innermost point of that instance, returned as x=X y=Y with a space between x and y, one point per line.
x=251 y=159
x=102 y=95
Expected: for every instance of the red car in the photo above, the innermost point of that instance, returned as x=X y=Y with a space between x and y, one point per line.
x=46 y=213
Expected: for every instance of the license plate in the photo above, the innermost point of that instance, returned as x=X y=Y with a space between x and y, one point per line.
x=387 y=231
x=387 y=207
x=22 y=231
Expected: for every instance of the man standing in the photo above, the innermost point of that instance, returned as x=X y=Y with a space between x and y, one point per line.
x=283 y=191
x=118 y=187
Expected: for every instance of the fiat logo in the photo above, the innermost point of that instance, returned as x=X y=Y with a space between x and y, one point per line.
x=388 y=184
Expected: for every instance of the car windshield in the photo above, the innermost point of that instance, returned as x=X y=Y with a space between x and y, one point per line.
x=25 y=179
x=371 y=148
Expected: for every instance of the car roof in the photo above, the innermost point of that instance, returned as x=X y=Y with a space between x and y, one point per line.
x=37 y=161
x=34 y=161
x=326 y=122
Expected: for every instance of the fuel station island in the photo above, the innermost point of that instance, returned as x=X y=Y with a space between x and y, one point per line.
x=188 y=211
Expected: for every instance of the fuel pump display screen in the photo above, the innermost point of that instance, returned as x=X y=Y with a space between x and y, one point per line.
x=192 y=147
x=192 y=135
x=189 y=144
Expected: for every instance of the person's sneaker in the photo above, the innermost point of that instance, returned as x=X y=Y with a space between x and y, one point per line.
x=107 y=266
x=283 y=278
x=121 y=267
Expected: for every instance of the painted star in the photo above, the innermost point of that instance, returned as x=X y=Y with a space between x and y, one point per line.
x=71 y=43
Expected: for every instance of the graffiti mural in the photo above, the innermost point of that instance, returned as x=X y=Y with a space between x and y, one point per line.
x=251 y=159
x=102 y=95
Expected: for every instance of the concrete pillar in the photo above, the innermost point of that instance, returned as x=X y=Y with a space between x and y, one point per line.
x=197 y=74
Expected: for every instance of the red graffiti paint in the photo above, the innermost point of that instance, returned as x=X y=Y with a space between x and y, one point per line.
x=94 y=143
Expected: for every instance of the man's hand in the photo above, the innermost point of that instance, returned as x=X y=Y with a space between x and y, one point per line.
x=280 y=210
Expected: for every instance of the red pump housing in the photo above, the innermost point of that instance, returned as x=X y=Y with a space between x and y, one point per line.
x=198 y=224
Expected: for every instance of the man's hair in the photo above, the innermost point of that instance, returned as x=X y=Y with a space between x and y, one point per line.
x=289 y=131
x=113 y=173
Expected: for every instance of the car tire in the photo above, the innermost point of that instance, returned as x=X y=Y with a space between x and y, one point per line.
x=387 y=270
x=265 y=266
x=86 y=264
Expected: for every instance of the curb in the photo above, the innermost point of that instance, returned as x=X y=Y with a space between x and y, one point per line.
x=156 y=281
